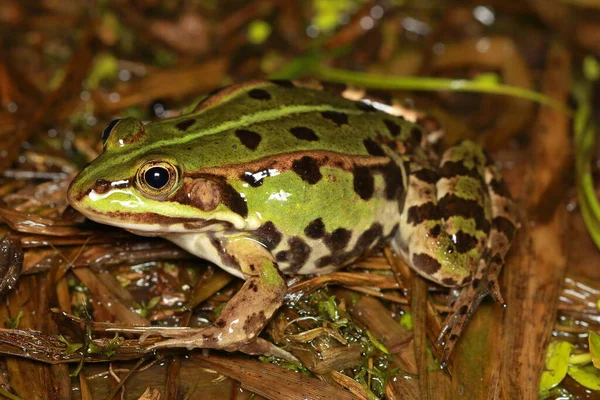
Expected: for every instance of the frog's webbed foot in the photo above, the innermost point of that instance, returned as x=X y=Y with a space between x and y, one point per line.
x=245 y=315
x=485 y=281
x=467 y=302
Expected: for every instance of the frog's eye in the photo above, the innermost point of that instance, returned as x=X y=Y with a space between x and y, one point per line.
x=157 y=178
x=108 y=130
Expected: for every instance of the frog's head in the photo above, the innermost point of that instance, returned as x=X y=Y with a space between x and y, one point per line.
x=142 y=182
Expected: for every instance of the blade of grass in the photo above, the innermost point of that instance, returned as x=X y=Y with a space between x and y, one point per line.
x=585 y=138
x=379 y=81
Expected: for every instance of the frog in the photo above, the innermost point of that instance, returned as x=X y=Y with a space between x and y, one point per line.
x=267 y=179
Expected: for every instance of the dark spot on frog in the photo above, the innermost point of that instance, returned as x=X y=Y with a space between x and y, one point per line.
x=450 y=169
x=248 y=138
x=363 y=106
x=307 y=168
x=255 y=179
x=392 y=127
x=253 y=286
x=233 y=200
x=392 y=175
x=185 y=124
x=401 y=200
x=453 y=338
x=209 y=337
x=426 y=175
x=394 y=231
x=296 y=256
x=463 y=310
x=451 y=205
x=304 y=133
x=435 y=231
x=368 y=238
x=373 y=148
x=337 y=118
x=422 y=213
x=252 y=267
x=338 y=239
x=101 y=186
x=499 y=187
x=259 y=94
x=364 y=184
x=220 y=323
x=415 y=136
x=315 y=229
x=451 y=282
x=283 y=83
x=254 y=322
x=226 y=258
x=497 y=259
x=426 y=263
x=268 y=235
x=365 y=241
x=475 y=283
x=463 y=241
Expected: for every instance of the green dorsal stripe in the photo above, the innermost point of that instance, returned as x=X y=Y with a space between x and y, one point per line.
x=244 y=121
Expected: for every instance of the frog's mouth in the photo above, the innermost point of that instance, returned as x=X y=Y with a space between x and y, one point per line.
x=152 y=224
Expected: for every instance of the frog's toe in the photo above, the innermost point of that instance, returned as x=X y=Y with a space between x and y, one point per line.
x=189 y=343
x=469 y=299
x=189 y=338
x=263 y=347
x=170 y=332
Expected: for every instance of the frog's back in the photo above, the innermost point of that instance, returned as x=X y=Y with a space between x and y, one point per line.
x=258 y=119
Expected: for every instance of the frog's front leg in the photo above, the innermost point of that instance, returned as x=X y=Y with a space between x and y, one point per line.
x=451 y=224
x=247 y=313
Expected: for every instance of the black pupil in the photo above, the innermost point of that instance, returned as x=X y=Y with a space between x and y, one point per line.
x=107 y=131
x=157 y=177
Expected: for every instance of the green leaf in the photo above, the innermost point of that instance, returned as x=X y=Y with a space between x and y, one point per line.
x=154 y=302
x=105 y=68
x=591 y=68
x=556 y=365
x=584 y=129
x=71 y=347
x=13 y=323
x=406 y=320
x=594 y=342
x=112 y=346
x=328 y=308
x=258 y=31
x=328 y=13
x=588 y=376
x=377 y=343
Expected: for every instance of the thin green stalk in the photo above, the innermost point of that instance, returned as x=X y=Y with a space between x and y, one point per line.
x=379 y=81
x=585 y=139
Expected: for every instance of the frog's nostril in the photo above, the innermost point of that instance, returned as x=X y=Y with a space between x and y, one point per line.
x=101 y=186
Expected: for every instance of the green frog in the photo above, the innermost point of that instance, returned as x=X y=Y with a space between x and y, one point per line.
x=266 y=178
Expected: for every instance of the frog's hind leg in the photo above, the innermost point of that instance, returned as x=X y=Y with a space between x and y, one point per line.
x=246 y=313
x=485 y=281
